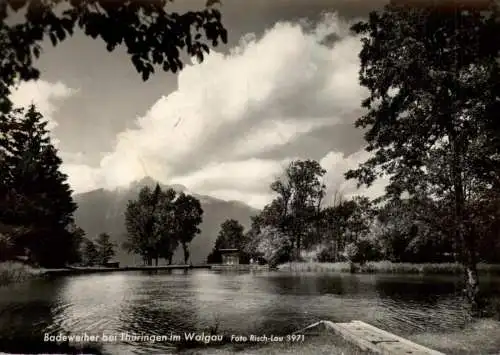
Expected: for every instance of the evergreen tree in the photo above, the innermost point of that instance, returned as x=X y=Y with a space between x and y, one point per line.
x=90 y=254
x=105 y=248
x=34 y=193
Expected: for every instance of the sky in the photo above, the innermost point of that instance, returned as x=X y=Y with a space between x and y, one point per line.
x=285 y=87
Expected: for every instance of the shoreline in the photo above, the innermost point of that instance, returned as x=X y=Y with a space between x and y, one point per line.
x=15 y=272
x=387 y=267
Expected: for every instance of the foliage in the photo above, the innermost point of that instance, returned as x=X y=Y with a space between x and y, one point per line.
x=167 y=226
x=90 y=254
x=230 y=236
x=157 y=221
x=431 y=113
x=36 y=202
x=351 y=252
x=143 y=227
x=388 y=267
x=327 y=255
x=188 y=215
x=105 y=248
x=6 y=245
x=275 y=246
x=294 y=211
x=154 y=38
x=13 y=272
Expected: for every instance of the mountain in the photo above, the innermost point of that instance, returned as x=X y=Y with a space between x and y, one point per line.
x=103 y=211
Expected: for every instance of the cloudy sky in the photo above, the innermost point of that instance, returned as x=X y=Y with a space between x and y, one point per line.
x=285 y=87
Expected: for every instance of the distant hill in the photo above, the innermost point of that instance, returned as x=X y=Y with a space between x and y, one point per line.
x=103 y=211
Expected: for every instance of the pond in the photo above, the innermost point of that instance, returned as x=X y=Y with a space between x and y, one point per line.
x=163 y=302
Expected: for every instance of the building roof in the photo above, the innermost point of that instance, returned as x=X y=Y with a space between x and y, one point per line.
x=228 y=250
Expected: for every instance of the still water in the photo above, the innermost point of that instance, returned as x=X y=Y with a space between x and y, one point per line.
x=160 y=303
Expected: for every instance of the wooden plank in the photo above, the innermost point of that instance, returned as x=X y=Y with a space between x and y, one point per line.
x=410 y=344
x=340 y=328
x=378 y=341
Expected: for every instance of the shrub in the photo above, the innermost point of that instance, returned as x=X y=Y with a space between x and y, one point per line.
x=11 y=272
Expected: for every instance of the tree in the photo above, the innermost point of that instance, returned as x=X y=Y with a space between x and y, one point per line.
x=153 y=37
x=168 y=227
x=230 y=236
x=90 y=254
x=75 y=236
x=6 y=245
x=299 y=196
x=274 y=246
x=159 y=220
x=141 y=222
x=105 y=248
x=188 y=215
x=34 y=195
x=432 y=74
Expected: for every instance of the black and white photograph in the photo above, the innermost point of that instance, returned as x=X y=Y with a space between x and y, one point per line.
x=250 y=177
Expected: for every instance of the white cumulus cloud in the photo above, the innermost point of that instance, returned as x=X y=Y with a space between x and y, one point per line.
x=336 y=165
x=44 y=95
x=212 y=134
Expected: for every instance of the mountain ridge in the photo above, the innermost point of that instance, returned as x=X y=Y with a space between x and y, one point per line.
x=102 y=210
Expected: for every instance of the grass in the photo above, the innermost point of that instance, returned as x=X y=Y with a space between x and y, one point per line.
x=482 y=334
x=387 y=267
x=14 y=272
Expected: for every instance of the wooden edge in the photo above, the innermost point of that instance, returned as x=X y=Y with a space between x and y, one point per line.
x=400 y=339
x=350 y=337
x=308 y=327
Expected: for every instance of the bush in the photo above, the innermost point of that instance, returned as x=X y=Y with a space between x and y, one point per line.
x=12 y=272
x=6 y=247
x=352 y=253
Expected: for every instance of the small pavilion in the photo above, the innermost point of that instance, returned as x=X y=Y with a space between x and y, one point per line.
x=230 y=256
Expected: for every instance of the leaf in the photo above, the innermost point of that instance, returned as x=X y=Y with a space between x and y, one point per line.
x=224 y=36
x=16 y=5
x=210 y=3
x=53 y=38
x=36 y=51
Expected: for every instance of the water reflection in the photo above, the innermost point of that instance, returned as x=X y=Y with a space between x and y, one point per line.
x=164 y=302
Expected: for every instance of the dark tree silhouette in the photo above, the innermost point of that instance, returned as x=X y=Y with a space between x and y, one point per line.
x=153 y=36
x=35 y=198
x=230 y=237
x=90 y=254
x=433 y=77
x=188 y=216
x=159 y=220
x=141 y=221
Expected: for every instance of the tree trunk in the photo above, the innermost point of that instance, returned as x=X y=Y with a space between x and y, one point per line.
x=297 y=251
x=170 y=257
x=156 y=261
x=186 y=253
x=465 y=239
x=472 y=284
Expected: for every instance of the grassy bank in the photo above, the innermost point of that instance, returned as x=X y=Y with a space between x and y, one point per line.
x=13 y=272
x=387 y=267
x=482 y=334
